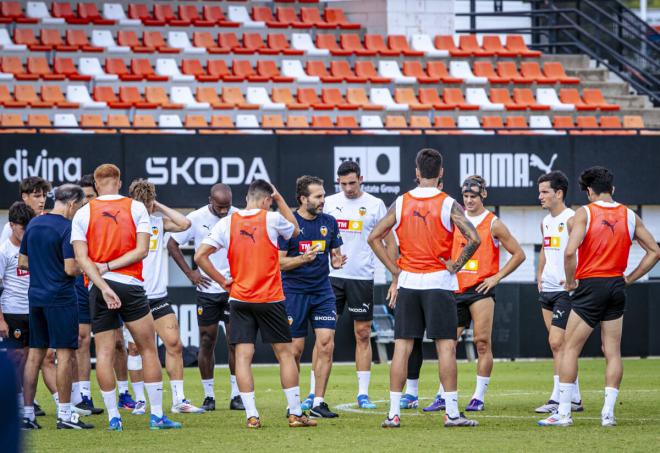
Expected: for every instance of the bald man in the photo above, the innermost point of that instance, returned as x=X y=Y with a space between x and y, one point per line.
x=212 y=299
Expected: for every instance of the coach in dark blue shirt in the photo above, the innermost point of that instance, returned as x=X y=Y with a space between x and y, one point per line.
x=305 y=263
x=47 y=253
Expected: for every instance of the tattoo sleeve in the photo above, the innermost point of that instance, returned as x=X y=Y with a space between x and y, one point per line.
x=469 y=232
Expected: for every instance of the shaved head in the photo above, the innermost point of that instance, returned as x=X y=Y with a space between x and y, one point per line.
x=220 y=199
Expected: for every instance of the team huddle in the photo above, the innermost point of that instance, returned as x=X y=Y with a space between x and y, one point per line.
x=95 y=263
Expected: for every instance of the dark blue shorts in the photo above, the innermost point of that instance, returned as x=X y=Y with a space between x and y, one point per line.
x=318 y=309
x=54 y=327
x=84 y=316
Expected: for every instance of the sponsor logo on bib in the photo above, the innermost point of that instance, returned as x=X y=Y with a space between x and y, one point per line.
x=350 y=225
x=552 y=242
x=471 y=266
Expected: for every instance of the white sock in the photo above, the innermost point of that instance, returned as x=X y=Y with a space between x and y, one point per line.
x=577 y=397
x=451 y=401
x=155 y=392
x=86 y=388
x=138 y=389
x=363 y=382
x=441 y=391
x=610 y=400
x=64 y=412
x=317 y=400
x=234 y=386
x=565 y=394
x=28 y=412
x=293 y=400
x=395 y=404
x=110 y=401
x=481 y=388
x=208 y=385
x=177 y=392
x=56 y=398
x=122 y=387
x=76 y=397
x=312 y=383
x=250 y=404
x=555 y=389
x=412 y=387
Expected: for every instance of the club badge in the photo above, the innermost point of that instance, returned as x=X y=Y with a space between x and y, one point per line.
x=324 y=231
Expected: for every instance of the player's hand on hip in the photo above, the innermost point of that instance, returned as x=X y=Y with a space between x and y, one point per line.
x=571 y=286
x=488 y=284
x=392 y=293
x=227 y=285
x=449 y=264
x=199 y=280
x=4 y=328
x=111 y=299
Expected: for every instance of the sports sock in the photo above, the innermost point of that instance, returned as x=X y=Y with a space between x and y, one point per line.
x=110 y=401
x=28 y=412
x=317 y=400
x=122 y=387
x=208 y=385
x=451 y=401
x=481 y=388
x=312 y=383
x=395 y=404
x=19 y=398
x=138 y=389
x=412 y=387
x=56 y=398
x=565 y=394
x=610 y=400
x=234 y=386
x=293 y=400
x=363 y=382
x=577 y=397
x=555 y=389
x=64 y=412
x=86 y=388
x=155 y=392
x=177 y=392
x=250 y=404
x=76 y=397
x=441 y=391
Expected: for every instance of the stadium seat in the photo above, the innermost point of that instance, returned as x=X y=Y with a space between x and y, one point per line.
x=453 y=97
x=284 y=96
x=250 y=121
x=470 y=125
x=447 y=43
x=588 y=122
x=210 y=95
x=8 y=100
x=224 y=122
x=92 y=67
x=382 y=96
x=375 y=125
x=341 y=68
x=130 y=39
x=470 y=44
x=102 y=39
x=168 y=67
x=164 y=13
x=90 y=13
x=240 y=14
x=195 y=121
x=556 y=70
x=172 y=124
x=219 y=69
x=13 y=120
x=492 y=43
x=310 y=97
x=317 y=68
x=430 y=96
x=53 y=39
x=40 y=67
x=273 y=122
x=297 y=124
x=357 y=96
x=390 y=70
x=477 y=96
x=106 y=94
x=39 y=11
x=78 y=94
x=195 y=68
x=519 y=123
x=532 y=70
x=180 y=40
x=132 y=96
x=423 y=43
x=490 y=123
x=287 y=15
x=230 y=41
x=141 y=12
x=158 y=95
x=333 y=96
x=280 y=43
x=524 y=96
x=448 y=125
x=365 y=68
x=326 y=123
x=215 y=15
x=563 y=122
x=293 y=68
x=347 y=122
x=183 y=95
x=14 y=66
x=13 y=12
x=540 y=124
x=335 y=16
x=94 y=123
x=255 y=42
x=64 y=11
x=399 y=124
x=265 y=15
x=53 y=94
x=234 y=97
x=311 y=16
x=244 y=69
x=485 y=69
x=155 y=40
x=115 y=12
x=269 y=69
x=594 y=96
x=462 y=70
x=507 y=70
x=143 y=68
x=572 y=96
x=303 y=41
x=68 y=123
x=501 y=96
x=259 y=96
x=633 y=122
x=329 y=42
x=26 y=37
x=438 y=69
x=377 y=44
x=516 y=43
x=613 y=123
x=7 y=44
x=145 y=124
x=205 y=40
x=548 y=96
x=120 y=121
x=406 y=96
x=415 y=69
x=353 y=43
x=40 y=121
x=191 y=14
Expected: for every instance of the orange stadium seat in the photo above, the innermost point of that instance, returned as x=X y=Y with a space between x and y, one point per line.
x=502 y=96
x=130 y=39
x=79 y=40
x=438 y=69
x=215 y=15
x=572 y=96
x=407 y=96
x=132 y=95
x=377 y=44
x=164 y=13
x=594 y=96
x=25 y=36
x=145 y=121
x=255 y=42
x=13 y=65
x=353 y=43
x=431 y=97
x=335 y=16
x=519 y=123
x=348 y=122
x=190 y=14
x=317 y=68
x=40 y=121
x=269 y=69
x=280 y=43
x=220 y=69
x=158 y=95
x=210 y=95
x=27 y=94
x=341 y=68
x=68 y=68
x=453 y=97
x=235 y=97
x=64 y=11
x=120 y=121
x=284 y=96
x=90 y=13
x=117 y=67
x=469 y=43
x=107 y=94
x=507 y=70
x=399 y=123
x=194 y=121
x=224 y=122
x=613 y=122
x=143 y=67
x=264 y=14
x=329 y=42
x=532 y=70
x=141 y=11
x=415 y=69
x=485 y=69
x=448 y=123
x=53 y=94
x=516 y=43
x=524 y=96
x=13 y=120
x=556 y=70
x=492 y=122
x=40 y=67
x=13 y=12
x=400 y=43
x=205 y=39
x=333 y=96
x=309 y=96
x=365 y=68
x=244 y=69
x=195 y=68
x=312 y=16
x=560 y=122
x=94 y=123
x=53 y=39
x=8 y=100
x=589 y=122
x=446 y=42
x=155 y=39
x=492 y=43
x=357 y=96
x=288 y=16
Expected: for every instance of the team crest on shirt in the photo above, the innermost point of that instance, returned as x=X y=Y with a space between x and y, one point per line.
x=17 y=333
x=561 y=227
x=290 y=318
x=362 y=211
x=324 y=231
x=200 y=311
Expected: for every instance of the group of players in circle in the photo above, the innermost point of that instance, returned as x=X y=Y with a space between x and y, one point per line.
x=311 y=264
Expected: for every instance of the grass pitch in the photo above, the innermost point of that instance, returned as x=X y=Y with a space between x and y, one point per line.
x=508 y=424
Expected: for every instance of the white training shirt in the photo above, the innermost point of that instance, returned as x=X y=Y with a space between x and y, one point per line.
x=153 y=266
x=80 y=226
x=6 y=232
x=555 y=240
x=14 y=299
x=203 y=221
x=355 y=219
x=432 y=280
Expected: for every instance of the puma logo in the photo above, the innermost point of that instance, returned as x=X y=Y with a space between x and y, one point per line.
x=111 y=216
x=535 y=161
x=609 y=225
x=207 y=227
x=559 y=314
x=339 y=208
x=248 y=234
x=419 y=214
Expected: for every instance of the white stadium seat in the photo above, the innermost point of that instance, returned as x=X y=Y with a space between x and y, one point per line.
x=376 y=124
x=259 y=96
x=293 y=68
x=168 y=67
x=382 y=96
x=250 y=121
x=240 y=14
x=80 y=95
x=180 y=40
x=172 y=124
x=115 y=11
x=390 y=69
x=303 y=41
x=462 y=70
x=424 y=44
x=103 y=38
x=8 y=45
x=68 y=120
x=548 y=96
x=92 y=67
x=39 y=10
x=478 y=96
x=543 y=122
x=183 y=95
x=472 y=122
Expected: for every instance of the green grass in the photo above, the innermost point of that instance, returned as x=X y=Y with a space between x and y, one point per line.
x=508 y=424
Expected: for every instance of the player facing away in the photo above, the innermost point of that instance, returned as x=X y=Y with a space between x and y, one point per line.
x=305 y=261
x=424 y=280
x=357 y=212
x=550 y=276
x=212 y=299
x=163 y=220
x=601 y=235
x=256 y=296
x=110 y=236
x=475 y=298
x=47 y=253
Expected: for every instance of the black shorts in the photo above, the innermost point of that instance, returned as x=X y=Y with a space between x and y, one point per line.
x=160 y=307
x=357 y=294
x=249 y=318
x=467 y=298
x=599 y=299
x=134 y=306
x=19 y=331
x=54 y=327
x=212 y=308
x=559 y=303
x=433 y=310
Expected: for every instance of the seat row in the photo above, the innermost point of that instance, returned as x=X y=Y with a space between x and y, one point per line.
x=314 y=71
x=378 y=99
x=324 y=124
x=182 y=16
